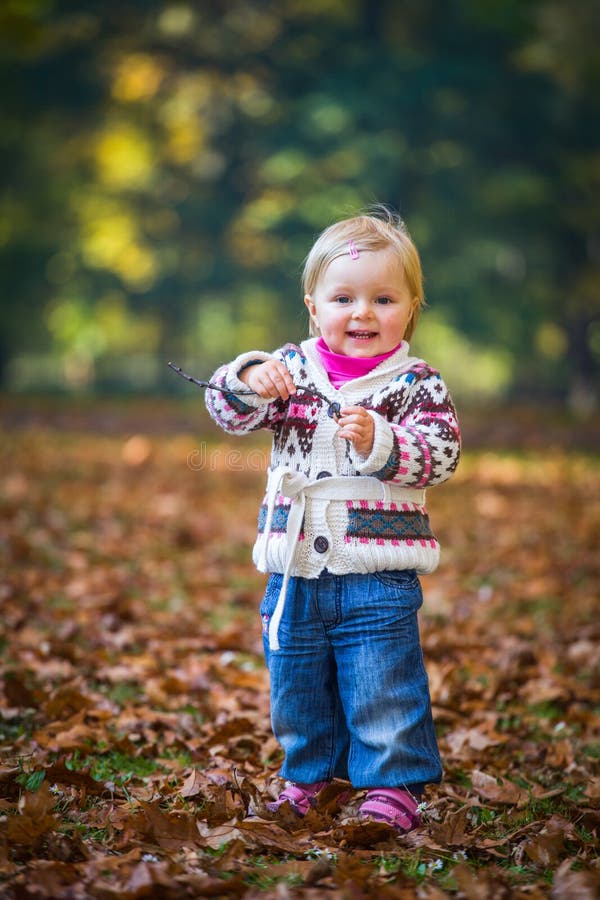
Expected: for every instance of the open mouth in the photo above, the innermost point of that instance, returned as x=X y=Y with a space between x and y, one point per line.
x=362 y=335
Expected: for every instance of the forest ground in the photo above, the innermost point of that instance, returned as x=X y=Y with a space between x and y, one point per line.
x=136 y=751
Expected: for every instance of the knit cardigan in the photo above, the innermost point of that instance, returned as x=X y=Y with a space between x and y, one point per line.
x=417 y=444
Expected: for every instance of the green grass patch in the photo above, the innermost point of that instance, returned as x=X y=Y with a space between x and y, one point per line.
x=124 y=692
x=592 y=750
x=190 y=710
x=61 y=603
x=21 y=726
x=31 y=781
x=418 y=868
x=183 y=758
x=546 y=710
x=113 y=766
x=90 y=833
x=265 y=882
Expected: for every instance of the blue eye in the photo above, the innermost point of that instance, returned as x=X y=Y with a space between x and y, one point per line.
x=384 y=300
x=343 y=299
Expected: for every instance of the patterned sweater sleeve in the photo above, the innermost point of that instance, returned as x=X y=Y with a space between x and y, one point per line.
x=417 y=437
x=232 y=407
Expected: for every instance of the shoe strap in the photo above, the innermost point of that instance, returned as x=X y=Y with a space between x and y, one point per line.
x=294 y=794
x=395 y=801
x=394 y=796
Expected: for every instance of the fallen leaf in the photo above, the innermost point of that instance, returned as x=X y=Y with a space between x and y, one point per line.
x=488 y=884
x=35 y=817
x=592 y=789
x=574 y=885
x=545 y=848
x=170 y=830
x=262 y=835
x=473 y=738
x=193 y=784
x=497 y=789
x=452 y=831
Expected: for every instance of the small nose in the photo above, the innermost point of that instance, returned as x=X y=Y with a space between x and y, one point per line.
x=362 y=310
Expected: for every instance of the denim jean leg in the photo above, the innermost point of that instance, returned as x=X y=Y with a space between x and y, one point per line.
x=306 y=710
x=383 y=683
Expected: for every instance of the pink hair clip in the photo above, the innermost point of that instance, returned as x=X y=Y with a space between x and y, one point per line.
x=353 y=250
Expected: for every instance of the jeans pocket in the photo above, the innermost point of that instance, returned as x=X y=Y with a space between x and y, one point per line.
x=402 y=579
x=397 y=590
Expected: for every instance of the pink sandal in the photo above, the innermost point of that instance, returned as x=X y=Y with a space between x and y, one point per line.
x=300 y=797
x=392 y=805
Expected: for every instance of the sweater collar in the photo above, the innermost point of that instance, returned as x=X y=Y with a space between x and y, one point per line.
x=341 y=368
x=390 y=367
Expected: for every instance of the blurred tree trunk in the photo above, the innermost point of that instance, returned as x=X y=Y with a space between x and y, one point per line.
x=372 y=15
x=583 y=389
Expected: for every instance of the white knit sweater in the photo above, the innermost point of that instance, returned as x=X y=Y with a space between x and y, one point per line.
x=360 y=529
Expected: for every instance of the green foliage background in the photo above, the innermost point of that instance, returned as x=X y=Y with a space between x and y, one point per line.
x=167 y=166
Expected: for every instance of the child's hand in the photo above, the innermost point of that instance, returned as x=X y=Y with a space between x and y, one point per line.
x=269 y=380
x=358 y=427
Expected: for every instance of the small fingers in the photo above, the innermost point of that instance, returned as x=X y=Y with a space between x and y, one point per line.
x=272 y=380
x=353 y=415
x=354 y=410
x=357 y=426
x=351 y=433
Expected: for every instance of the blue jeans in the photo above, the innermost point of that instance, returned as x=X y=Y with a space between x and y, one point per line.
x=349 y=691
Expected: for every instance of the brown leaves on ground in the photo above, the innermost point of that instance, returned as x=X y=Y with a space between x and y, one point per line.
x=137 y=756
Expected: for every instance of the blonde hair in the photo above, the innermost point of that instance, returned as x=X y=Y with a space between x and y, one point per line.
x=378 y=228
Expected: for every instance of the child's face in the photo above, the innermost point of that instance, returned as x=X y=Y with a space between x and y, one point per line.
x=362 y=306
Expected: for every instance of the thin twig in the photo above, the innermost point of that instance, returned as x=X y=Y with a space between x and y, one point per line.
x=333 y=408
x=205 y=384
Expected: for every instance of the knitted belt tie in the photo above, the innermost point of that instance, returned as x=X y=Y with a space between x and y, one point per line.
x=298 y=487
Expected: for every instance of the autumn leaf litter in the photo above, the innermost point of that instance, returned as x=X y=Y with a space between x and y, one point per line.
x=137 y=756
